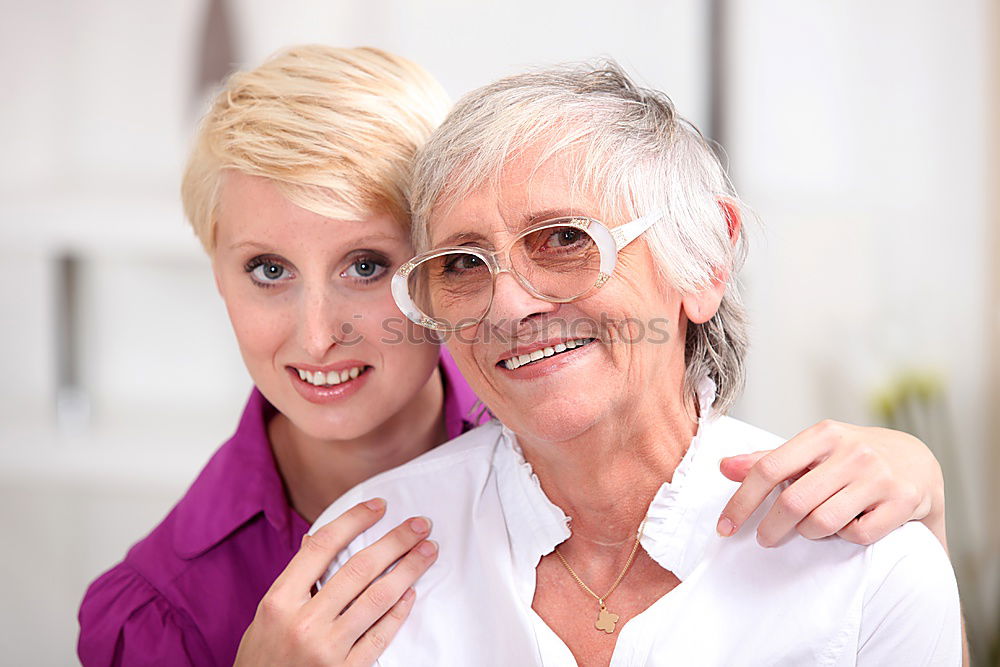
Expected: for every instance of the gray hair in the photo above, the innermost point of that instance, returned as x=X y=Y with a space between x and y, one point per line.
x=636 y=154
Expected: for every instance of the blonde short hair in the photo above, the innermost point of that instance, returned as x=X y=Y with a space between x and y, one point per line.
x=335 y=129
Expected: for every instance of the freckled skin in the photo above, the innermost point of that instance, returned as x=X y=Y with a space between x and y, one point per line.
x=316 y=298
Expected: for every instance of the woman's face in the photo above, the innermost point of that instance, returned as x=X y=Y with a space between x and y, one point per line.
x=310 y=304
x=635 y=322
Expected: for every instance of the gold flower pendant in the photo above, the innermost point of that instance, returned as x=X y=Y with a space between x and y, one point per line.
x=606 y=620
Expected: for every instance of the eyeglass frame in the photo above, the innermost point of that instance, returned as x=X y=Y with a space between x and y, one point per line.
x=605 y=237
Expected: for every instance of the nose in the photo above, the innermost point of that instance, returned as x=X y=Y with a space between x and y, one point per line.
x=515 y=310
x=319 y=324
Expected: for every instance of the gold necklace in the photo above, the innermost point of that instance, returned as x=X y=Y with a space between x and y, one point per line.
x=605 y=619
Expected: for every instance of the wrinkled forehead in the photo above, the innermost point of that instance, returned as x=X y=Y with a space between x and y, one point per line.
x=534 y=185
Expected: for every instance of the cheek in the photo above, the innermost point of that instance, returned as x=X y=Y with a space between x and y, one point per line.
x=259 y=330
x=470 y=357
x=382 y=326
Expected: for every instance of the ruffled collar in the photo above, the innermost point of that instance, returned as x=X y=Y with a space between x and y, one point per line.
x=680 y=522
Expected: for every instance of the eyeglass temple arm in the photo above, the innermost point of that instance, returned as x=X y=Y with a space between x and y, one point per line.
x=630 y=231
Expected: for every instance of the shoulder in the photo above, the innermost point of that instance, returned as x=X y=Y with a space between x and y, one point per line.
x=188 y=531
x=124 y=619
x=136 y=605
x=447 y=471
x=909 y=564
x=447 y=485
x=471 y=450
x=730 y=437
x=910 y=612
x=909 y=547
x=200 y=572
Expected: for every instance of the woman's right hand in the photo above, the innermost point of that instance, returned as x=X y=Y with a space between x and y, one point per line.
x=353 y=617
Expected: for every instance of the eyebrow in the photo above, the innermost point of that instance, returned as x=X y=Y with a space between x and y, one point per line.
x=248 y=244
x=359 y=242
x=460 y=238
x=550 y=213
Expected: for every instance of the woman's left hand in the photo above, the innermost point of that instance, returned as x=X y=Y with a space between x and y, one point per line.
x=853 y=481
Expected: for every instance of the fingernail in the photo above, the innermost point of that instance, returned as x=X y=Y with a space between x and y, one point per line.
x=376 y=504
x=420 y=525
x=725 y=527
x=428 y=548
x=408 y=595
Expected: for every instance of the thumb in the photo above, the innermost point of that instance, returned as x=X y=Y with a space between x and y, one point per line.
x=737 y=467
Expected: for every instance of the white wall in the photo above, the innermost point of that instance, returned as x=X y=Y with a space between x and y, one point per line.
x=855 y=132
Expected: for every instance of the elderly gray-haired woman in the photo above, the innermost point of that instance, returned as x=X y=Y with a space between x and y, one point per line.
x=578 y=240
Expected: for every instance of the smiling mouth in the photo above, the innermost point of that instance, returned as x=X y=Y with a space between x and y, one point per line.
x=330 y=378
x=519 y=360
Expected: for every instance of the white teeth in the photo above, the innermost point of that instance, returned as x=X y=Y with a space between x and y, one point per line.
x=517 y=361
x=330 y=378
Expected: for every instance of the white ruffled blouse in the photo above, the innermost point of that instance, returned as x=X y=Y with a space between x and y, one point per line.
x=825 y=602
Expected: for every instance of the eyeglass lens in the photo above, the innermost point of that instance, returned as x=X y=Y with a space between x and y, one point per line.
x=558 y=263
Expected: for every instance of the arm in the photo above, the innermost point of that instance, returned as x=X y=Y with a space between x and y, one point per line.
x=355 y=615
x=124 y=620
x=856 y=482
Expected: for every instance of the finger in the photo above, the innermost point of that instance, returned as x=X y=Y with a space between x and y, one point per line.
x=364 y=567
x=839 y=511
x=372 y=644
x=735 y=468
x=790 y=459
x=378 y=598
x=319 y=550
x=800 y=498
x=872 y=526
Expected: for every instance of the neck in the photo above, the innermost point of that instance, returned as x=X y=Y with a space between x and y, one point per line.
x=605 y=477
x=316 y=472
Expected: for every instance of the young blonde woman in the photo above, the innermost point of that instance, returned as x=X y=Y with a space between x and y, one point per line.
x=296 y=188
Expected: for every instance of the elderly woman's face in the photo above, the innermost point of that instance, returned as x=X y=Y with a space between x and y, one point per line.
x=633 y=327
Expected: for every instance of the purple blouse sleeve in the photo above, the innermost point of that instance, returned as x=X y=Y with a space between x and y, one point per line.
x=125 y=621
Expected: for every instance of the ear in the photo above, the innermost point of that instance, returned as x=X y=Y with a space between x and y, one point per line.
x=701 y=306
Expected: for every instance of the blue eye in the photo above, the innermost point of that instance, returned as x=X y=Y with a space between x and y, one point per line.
x=266 y=272
x=366 y=269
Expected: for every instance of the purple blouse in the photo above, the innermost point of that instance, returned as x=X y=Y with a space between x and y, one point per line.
x=186 y=593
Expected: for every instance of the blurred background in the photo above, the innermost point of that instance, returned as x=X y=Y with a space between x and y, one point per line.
x=866 y=135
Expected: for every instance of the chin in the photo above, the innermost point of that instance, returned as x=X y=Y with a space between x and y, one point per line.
x=331 y=427
x=324 y=422
x=556 y=419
